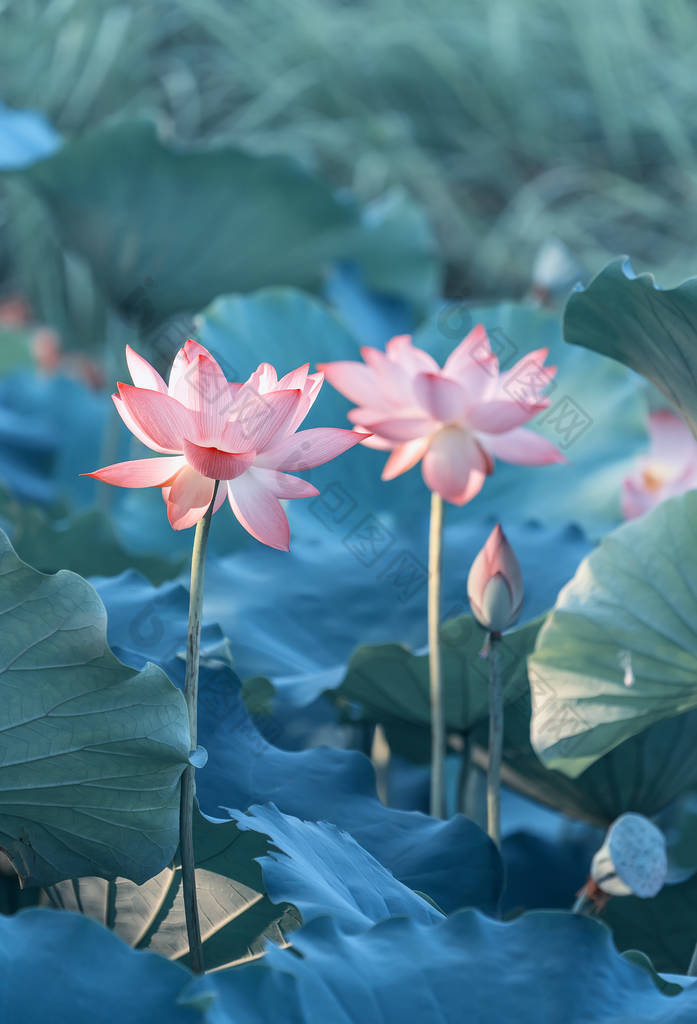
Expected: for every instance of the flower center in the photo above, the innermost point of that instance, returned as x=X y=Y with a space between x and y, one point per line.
x=216 y=463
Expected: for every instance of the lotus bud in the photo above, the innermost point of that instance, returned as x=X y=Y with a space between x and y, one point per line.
x=495 y=584
x=632 y=860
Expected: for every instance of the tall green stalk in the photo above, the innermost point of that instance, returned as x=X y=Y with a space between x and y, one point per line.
x=188 y=786
x=493 y=782
x=435 y=557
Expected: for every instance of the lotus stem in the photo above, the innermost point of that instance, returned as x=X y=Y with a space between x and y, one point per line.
x=581 y=900
x=464 y=774
x=188 y=787
x=493 y=782
x=692 y=969
x=435 y=557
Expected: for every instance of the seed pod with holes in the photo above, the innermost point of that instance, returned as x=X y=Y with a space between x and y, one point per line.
x=632 y=860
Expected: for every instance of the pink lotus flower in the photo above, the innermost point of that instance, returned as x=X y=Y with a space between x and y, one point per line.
x=207 y=429
x=669 y=468
x=455 y=420
x=14 y=312
x=495 y=584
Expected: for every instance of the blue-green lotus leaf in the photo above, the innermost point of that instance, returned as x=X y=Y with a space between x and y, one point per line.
x=453 y=862
x=236 y=916
x=549 y=966
x=91 y=752
x=619 y=652
x=323 y=871
x=157 y=223
x=648 y=328
x=64 y=967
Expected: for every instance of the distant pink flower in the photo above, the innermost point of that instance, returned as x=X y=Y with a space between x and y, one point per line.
x=14 y=312
x=455 y=420
x=45 y=346
x=669 y=468
x=208 y=429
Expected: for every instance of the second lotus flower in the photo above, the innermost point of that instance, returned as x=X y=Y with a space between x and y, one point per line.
x=455 y=420
x=667 y=470
x=206 y=428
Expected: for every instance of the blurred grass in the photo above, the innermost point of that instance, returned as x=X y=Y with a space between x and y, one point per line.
x=511 y=121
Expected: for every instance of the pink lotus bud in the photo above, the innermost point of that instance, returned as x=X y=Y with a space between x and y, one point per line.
x=46 y=349
x=495 y=584
x=14 y=312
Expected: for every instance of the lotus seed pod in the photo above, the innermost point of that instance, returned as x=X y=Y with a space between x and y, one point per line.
x=632 y=860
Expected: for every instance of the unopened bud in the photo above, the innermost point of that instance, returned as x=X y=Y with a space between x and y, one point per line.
x=495 y=584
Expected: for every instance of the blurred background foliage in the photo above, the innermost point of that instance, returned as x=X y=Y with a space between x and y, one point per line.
x=510 y=122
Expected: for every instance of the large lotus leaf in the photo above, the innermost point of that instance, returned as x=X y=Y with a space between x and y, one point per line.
x=67 y=968
x=28 y=455
x=662 y=927
x=84 y=542
x=644 y=773
x=398 y=969
x=138 y=211
x=91 y=752
x=545 y=966
x=397 y=254
x=370 y=317
x=235 y=914
x=619 y=651
x=650 y=329
x=545 y=872
x=377 y=584
x=162 y=227
x=147 y=622
x=51 y=430
x=324 y=871
x=678 y=822
x=453 y=862
x=597 y=417
x=391 y=683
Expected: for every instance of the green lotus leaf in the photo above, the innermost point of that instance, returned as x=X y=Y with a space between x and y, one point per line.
x=84 y=542
x=550 y=966
x=647 y=328
x=91 y=752
x=643 y=773
x=662 y=927
x=164 y=230
x=236 y=915
x=391 y=683
x=619 y=651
